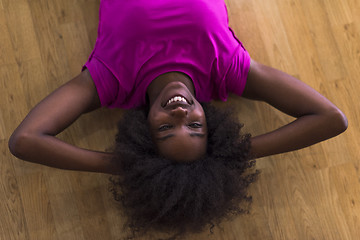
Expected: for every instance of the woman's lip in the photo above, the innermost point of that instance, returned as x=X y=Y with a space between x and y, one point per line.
x=175 y=105
x=177 y=102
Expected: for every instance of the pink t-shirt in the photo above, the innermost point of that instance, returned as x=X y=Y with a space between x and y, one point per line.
x=139 y=40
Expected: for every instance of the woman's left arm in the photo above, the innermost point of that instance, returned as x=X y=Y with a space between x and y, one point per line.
x=317 y=118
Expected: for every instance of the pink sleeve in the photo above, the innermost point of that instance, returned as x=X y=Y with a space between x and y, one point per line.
x=105 y=82
x=237 y=73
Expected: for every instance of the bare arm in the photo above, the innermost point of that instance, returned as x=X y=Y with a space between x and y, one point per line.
x=34 y=140
x=317 y=118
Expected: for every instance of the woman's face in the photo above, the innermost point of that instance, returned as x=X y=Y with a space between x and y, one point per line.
x=178 y=124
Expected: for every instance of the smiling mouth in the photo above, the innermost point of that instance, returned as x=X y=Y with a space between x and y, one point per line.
x=177 y=100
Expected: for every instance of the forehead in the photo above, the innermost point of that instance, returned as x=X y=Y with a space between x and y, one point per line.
x=186 y=147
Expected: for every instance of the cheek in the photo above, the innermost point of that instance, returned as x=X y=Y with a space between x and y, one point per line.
x=155 y=119
x=153 y=114
x=151 y=121
x=199 y=114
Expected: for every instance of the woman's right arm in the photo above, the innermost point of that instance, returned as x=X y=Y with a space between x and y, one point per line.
x=34 y=139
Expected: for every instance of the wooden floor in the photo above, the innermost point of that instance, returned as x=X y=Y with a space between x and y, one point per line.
x=309 y=194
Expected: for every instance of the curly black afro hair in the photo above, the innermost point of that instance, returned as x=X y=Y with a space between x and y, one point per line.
x=159 y=194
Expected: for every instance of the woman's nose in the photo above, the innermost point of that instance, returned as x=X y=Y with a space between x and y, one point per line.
x=179 y=112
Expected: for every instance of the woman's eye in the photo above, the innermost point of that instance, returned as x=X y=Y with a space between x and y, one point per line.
x=164 y=127
x=195 y=125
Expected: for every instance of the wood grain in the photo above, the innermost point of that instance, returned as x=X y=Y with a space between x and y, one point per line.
x=308 y=194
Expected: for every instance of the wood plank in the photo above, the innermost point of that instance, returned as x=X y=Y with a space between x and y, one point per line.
x=21 y=30
x=308 y=194
x=77 y=51
x=38 y=214
x=90 y=206
x=272 y=29
x=2 y=127
x=318 y=24
x=303 y=48
x=242 y=19
x=11 y=97
x=7 y=55
x=50 y=42
x=63 y=204
x=90 y=16
x=345 y=180
x=13 y=224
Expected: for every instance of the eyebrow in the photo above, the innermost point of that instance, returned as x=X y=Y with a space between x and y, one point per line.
x=171 y=135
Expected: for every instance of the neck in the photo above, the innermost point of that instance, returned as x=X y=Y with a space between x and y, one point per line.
x=161 y=81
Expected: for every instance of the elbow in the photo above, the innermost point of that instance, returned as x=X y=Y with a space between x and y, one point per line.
x=12 y=144
x=338 y=121
x=17 y=143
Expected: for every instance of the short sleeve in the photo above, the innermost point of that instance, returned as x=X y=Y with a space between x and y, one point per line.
x=238 y=70
x=105 y=82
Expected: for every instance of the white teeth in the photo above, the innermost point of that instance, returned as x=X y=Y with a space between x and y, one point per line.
x=177 y=99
